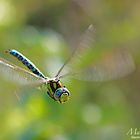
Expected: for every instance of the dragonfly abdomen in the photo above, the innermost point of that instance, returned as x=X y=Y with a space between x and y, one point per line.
x=26 y=62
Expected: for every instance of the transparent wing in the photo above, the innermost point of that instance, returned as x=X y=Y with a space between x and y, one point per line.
x=113 y=65
x=18 y=75
x=85 y=42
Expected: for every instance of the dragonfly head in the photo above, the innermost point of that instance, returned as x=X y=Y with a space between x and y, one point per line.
x=62 y=94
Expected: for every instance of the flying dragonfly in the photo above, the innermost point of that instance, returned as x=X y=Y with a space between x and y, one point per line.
x=114 y=65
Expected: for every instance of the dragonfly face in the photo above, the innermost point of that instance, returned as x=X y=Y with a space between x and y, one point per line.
x=57 y=91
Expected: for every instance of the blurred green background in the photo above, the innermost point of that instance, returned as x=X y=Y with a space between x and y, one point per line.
x=41 y=30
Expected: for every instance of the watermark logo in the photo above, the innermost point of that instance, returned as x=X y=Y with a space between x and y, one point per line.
x=134 y=133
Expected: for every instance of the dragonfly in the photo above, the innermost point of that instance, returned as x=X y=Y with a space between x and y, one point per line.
x=114 y=65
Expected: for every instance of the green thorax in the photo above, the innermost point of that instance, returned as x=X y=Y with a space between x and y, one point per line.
x=52 y=86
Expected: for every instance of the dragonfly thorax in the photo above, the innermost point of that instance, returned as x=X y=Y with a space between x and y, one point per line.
x=57 y=91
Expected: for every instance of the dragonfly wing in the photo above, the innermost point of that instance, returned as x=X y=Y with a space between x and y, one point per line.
x=114 y=65
x=19 y=75
x=84 y=43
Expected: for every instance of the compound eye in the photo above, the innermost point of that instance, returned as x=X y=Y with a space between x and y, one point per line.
x=61 y=95
x=58 y=93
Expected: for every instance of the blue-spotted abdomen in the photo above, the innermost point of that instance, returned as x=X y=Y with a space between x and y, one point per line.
x=26 y=62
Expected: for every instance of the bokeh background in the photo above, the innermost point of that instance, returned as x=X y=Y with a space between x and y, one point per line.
x=43 y=30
